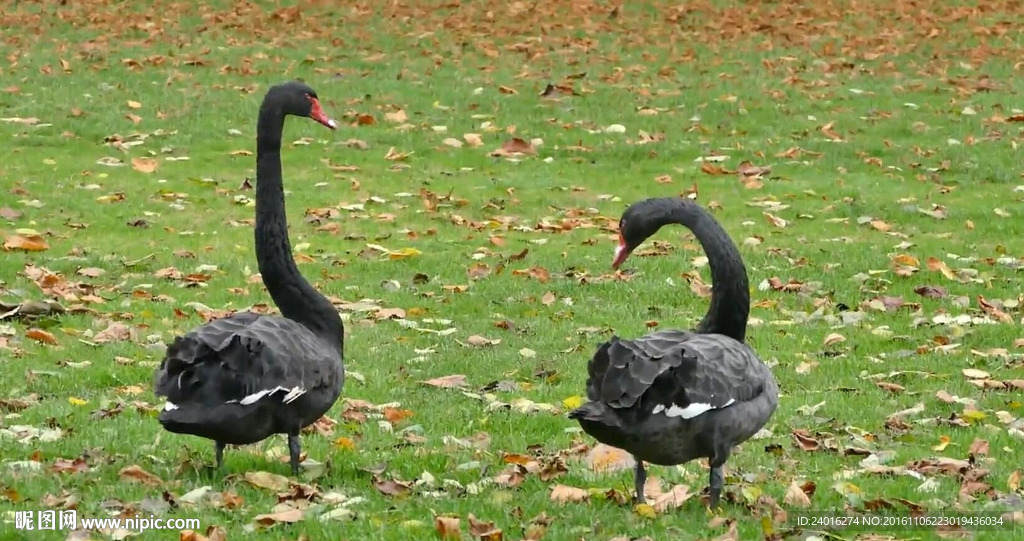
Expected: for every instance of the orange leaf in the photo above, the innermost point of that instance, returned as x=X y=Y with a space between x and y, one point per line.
x=145 y=165
x=393 y=415
x=41 y=336
x=28 y=243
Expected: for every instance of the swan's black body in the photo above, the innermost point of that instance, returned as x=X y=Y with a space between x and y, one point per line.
x=245 y=377
x=673 y=396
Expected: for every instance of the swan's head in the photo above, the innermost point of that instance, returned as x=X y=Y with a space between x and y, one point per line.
x=297 y=98
x=641 y=220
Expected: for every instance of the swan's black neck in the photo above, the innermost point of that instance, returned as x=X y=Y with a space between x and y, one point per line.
x=293 y=295
x=730 y=293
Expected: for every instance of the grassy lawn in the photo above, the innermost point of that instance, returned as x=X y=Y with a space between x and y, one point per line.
x=863 y=155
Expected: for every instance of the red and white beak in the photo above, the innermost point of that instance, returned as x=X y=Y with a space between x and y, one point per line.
x=317 y=114
x=621 y=253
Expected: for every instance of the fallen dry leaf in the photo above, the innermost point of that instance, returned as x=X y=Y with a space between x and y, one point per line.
x=796 y=496
x=137 y=474
x=566 y=494
x=447 y=528
x=145 y=165
x=270 y=519
x=27 y=243
x=448 y=382
x=605 y=459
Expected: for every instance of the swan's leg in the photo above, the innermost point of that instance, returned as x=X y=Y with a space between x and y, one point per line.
x=716 y=477
x=219 y=452
x=639 y=480
x=716 y=481
x=294 y=449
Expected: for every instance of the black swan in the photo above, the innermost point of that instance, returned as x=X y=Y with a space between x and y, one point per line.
x=242 y=378
x=673 y=396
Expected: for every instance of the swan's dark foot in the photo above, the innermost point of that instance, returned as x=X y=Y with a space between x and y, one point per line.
x=294 y=450
x=639 y=481
x=716 y=482
x=219 y=453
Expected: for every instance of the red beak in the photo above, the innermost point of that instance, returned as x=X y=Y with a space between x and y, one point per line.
x=621 y=253
x=317 y=114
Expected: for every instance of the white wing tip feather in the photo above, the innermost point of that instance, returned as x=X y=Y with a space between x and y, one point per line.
x=689 y=412
x=291 y=396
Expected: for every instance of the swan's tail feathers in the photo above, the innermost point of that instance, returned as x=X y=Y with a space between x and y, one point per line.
x=595 y=412
x=598 y=367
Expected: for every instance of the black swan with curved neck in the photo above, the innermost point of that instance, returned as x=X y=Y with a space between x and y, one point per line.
x=673 y=396
x=242 y=378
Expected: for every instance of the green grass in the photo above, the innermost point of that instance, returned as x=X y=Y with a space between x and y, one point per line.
x=921 y=124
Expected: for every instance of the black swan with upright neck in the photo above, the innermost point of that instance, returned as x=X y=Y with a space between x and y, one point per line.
x=242 y=378
x=673 y=396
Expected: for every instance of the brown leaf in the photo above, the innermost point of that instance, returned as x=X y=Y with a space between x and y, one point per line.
x=480 y=341
x=267 y=480
x=515 y=147
x=145 y=165
x=548 y=299
x=672 y=499
x=27 y=243
x=931 y=292
x=391 y=487
x=448 y=382
x=447 y=528
x=115 y=332
x=396 y=116
x=537 y=528
x=389 y=313
x=137 y=474
x=747 y=169
x=63 y=465
x=477 y=271
x=731 y=534
x=565 y=494
x=805 y=441
x=288 y=516
x=8 y=213
x=891 y=387
x=796 y=496
x=714 y=169
x=978 y=447
x=484 y=530
x=91 y=272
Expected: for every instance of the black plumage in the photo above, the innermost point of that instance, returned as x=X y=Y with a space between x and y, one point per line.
x=673 y=396
x=245 y=377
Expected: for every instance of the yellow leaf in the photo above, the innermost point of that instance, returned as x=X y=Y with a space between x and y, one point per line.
x=404 y=253
x=943 y=443
x=645 y=510
x=573 y=402
x=77 y=401
x=973 y=416
x=345 y=443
